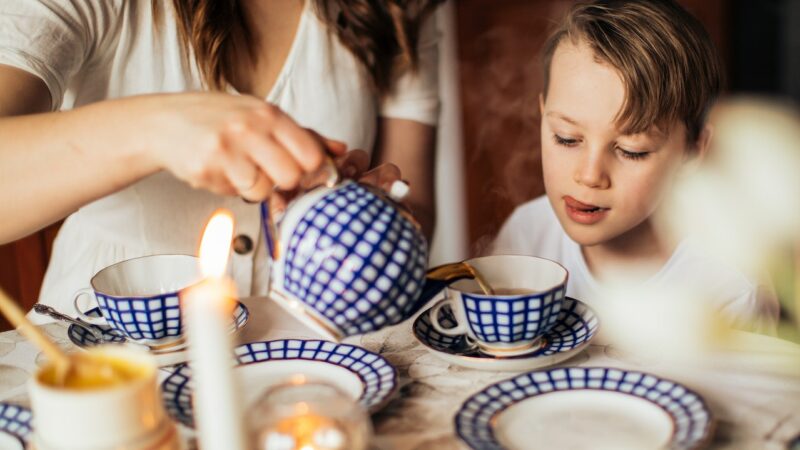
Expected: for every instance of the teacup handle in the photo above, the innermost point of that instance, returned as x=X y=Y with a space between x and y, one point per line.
x=457 y=330
x=81 y=314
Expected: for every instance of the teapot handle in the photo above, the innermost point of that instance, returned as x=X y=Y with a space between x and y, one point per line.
x=270 y=232
x=438 y=278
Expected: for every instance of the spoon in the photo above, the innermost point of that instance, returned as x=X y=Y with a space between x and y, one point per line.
x=67 y=367
x=154 y=347
x=49 y=311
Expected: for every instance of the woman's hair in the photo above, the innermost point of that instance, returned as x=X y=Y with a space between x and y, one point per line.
x=669 y=66
x=381 y=34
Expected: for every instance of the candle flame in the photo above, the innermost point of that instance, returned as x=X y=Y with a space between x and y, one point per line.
x=216 y=244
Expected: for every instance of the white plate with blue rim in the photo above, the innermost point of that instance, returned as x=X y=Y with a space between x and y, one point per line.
x=15 y=426
x=366 y=376
x=577 y=324
x=82 y=337
x=585 y=407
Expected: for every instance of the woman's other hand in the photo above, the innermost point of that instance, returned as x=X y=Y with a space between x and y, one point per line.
x=353 y=164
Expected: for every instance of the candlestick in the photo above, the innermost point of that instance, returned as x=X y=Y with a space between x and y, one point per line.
x=207 y=308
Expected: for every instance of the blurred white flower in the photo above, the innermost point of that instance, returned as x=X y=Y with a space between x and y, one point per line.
x=742 y=202
x=674 y=326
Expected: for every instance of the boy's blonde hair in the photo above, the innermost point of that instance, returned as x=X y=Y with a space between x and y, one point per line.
x=669 y=66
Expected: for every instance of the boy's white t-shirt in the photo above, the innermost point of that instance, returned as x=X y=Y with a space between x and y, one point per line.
x=87 y=51
x=533 y=229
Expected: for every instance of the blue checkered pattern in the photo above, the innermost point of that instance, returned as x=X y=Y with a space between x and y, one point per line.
x=355 y=260
x=379 y=378
x=83 y=338
x=575 y=326
x=16 y=421
x=513 y=319
x=691 y=418
x=154 y=317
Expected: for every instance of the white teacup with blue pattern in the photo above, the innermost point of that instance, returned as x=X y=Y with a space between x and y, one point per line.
x=512 y=321
x=139 y=297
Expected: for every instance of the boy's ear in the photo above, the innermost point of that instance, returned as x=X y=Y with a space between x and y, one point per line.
x=704 y=142
x=695 y=155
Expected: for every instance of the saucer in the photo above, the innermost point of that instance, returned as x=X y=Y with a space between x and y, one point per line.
x=577 y=324
x=363 y=375
x=84 y=339
x=584 y=407
x=15 y=426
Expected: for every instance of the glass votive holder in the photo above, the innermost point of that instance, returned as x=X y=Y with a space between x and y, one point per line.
x=308 y=416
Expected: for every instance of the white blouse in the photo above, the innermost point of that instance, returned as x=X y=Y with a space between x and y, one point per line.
x=91 y=50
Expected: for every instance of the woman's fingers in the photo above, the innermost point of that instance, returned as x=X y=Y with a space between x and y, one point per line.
x=382 y=176
x=259 y=190
x=333 y=147
x=244 y=176
x=353 y=163
x=305 y=147
x=274 y=160
x=217 y=183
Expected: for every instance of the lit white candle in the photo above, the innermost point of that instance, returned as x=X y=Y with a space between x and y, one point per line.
x=207 y=311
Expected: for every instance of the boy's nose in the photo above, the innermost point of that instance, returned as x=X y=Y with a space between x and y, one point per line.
x=591 y=173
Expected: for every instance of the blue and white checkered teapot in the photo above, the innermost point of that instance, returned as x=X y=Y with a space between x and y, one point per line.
x=347 y=258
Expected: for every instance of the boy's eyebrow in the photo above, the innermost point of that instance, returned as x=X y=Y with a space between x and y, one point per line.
x=558 y=115
x=653 y=132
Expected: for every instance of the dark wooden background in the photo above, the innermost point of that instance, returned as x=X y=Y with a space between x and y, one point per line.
x=22 y=266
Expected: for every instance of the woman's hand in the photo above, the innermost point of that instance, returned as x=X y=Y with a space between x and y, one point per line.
x=231 y=144
x=353 y=164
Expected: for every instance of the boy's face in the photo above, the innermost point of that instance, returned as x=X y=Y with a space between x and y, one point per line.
x=603 y=184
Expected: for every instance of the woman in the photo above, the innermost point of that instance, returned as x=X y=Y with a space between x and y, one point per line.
x=141 y=168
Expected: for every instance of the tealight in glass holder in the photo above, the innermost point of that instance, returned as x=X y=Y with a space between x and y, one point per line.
x=308 y=416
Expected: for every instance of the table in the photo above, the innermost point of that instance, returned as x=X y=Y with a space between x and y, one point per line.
x=755 y=408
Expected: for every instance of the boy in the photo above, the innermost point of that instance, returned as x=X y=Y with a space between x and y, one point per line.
x=628 y=85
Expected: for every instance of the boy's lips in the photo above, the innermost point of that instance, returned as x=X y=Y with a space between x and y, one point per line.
x=584 y=213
